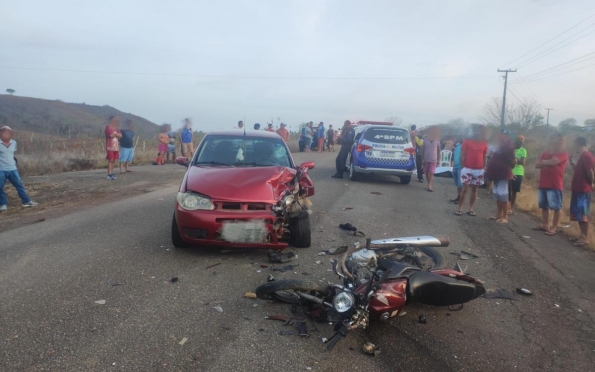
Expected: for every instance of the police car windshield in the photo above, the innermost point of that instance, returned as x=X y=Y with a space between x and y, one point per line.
x=393 y=136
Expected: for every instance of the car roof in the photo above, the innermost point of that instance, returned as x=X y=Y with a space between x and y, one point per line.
x=249 y=133
x=361 y=128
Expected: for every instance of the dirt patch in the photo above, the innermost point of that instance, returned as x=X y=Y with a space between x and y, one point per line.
x=61 y=194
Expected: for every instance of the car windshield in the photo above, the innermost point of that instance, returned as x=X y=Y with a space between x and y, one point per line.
x=393 y=136
x=225 y=150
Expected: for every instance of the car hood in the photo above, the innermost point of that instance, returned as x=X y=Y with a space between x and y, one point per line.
x=245 y=184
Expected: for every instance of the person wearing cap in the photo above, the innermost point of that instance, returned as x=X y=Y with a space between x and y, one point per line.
x=270 y=128
x=283 y=132
x=499 y=170
x=518 y=172
x=8 y=170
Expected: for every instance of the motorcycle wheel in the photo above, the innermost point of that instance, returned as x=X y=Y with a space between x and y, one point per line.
x=284 y=290
x=431 y=259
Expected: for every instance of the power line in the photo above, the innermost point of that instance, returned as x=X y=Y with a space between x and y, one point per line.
x=514 y=95
x=541 y=55
x=564 y=73
x=522 y=78
x=523 y=86
x=245 y=76
x=555 y=37
x=558 y=67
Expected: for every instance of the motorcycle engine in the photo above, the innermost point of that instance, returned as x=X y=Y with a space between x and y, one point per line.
x=361 y=263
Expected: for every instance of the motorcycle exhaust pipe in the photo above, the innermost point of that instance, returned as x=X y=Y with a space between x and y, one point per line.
x=314 y=299
x=412 y=241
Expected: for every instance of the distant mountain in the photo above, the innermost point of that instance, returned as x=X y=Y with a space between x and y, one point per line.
x=63 y=119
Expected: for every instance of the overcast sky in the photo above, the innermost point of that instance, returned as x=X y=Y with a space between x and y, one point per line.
x=220 y=61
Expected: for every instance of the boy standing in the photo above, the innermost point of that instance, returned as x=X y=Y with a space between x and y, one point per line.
x=430 y=155
x=8 y=170
x=127 y=147
x=112 y=145
x=582 y=188
x=473 y=159
x=551 y=165
x=518 y=172
x=187 y=139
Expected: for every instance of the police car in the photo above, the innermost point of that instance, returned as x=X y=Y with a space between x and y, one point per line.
x=383 y=150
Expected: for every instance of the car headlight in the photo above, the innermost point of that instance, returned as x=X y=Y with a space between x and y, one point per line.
x=343 y=302
x=193 y=202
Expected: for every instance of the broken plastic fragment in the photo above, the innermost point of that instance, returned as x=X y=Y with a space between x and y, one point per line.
x=218 y=308
x=250 y=295
x=173 y=279
x=556 y=305
x=325 y=340
x=100 y=302
x=184 y=339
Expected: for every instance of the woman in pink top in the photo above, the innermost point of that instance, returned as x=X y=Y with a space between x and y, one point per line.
x=430 y=155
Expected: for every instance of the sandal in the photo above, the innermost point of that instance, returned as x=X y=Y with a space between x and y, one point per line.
x=579 y=244
x=540 y=228
x=430 y=190
x=492 y=218
x=501 y=221
x=471 y=213
x=458 y=213
x=551 y=233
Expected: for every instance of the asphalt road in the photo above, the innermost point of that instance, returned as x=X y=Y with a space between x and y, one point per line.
x=52 y=273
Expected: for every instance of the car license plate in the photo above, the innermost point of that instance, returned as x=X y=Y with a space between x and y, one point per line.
x=254 y=231
x=387 y=154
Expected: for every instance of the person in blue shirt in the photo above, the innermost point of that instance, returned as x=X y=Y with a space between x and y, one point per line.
x=8 y=170
x=187 y=139
x=456 y=170
x=347 y=137
x=321 y=132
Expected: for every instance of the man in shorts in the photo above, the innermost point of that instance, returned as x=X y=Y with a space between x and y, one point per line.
x=112 y=145
x=171 y=147
x=430 y=155
x=187 y=139
x=551 y=165
x=456 y=170
x=582 y=188
x=473 y=159
x=518 y=172
x=330 y=138
x=127 y=147
x=500 y=172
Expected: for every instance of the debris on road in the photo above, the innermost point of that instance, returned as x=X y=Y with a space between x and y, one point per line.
x=524 y=291
x=250 y=295
x=376 y=193
x=465 y=255
x=334 y=251
x=276 y=257
x=218 y=308
x=263 y=266
x=317 y=262
x=285 y=268
x=371 y=349
x=526 y=237
x=556 y=305
x=302 y=329
x=499 y=293
x=173 y=279
x=100 y=302
x=287 y=333
x=350 y=227
x=347 y=208
x=213 y=265
x=324 y=340
x=270 y=278
x=184 y=339
x=422 y=319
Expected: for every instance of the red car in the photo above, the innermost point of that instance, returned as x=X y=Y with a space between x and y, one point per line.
x=243 y=190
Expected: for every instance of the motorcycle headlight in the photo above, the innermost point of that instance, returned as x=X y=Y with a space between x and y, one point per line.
x=192 y=202
x=343 y=302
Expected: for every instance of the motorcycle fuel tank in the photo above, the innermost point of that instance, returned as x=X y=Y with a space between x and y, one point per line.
x=389 y=299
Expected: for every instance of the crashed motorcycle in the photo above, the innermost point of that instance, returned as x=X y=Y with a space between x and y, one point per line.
x=379 y=280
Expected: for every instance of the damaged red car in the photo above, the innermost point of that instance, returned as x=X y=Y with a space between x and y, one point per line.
x=242 y=189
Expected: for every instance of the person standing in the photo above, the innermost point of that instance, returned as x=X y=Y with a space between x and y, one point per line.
x=127 y=146
x=321 y=134
x=241 y=125
x=500 y=172
x=163 y=143
x=270 y=128
x=518 y=172
x=283 y=132
x=417 y=142
x=112 y=145
x=309 y=136
x=257 y=126
x=551 y=165
x=187 y=139
x=456 y=170
x=9 y=172
x=347 y=136
x=582 y=189
x=330 y=138
x=171 y=147
x=473 y=159
x=430 y=155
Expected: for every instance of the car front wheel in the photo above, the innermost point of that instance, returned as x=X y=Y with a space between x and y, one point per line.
x=301 y=236
x=176 y=237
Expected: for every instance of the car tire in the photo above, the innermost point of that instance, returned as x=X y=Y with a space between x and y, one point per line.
x=353 y=176
x=405 y=179
x=176 y=237
x=301 y=235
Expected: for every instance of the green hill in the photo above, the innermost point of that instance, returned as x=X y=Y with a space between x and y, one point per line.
x=63 y=119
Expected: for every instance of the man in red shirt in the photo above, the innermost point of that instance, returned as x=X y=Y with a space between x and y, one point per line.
x=551 y=165
x=473 y=161
x=283 y=132
x=112 y=145
x=582 y=187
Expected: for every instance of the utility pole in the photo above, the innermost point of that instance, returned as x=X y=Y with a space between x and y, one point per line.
x=503 y=116
x=548 y=119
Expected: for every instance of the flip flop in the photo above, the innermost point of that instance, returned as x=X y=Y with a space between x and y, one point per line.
x=539 y=228
x=579 y=244
x=492 y=218
x=430 y=190
x=551 y=233
x=471 y=213
x=501 y=221
x=458 y=213
x=510 y=213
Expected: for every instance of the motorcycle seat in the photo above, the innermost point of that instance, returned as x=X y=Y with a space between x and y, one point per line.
x=398 y=269
x=438 y=290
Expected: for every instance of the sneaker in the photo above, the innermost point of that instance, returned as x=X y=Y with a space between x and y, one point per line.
x=31 y=204
x=109 y=177
x=3 y=208
x=114 y=176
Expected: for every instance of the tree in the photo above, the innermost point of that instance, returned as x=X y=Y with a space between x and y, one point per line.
x=526 y=114
x=397 y=121
x=590 y=123
x=568 y=124
x=10 y=91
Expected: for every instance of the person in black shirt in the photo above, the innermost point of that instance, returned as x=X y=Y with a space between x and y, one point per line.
x=347 y=136
x=127 y=146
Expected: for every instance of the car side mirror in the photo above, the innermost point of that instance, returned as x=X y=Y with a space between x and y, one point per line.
x=307 y=165
x=183 y=161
